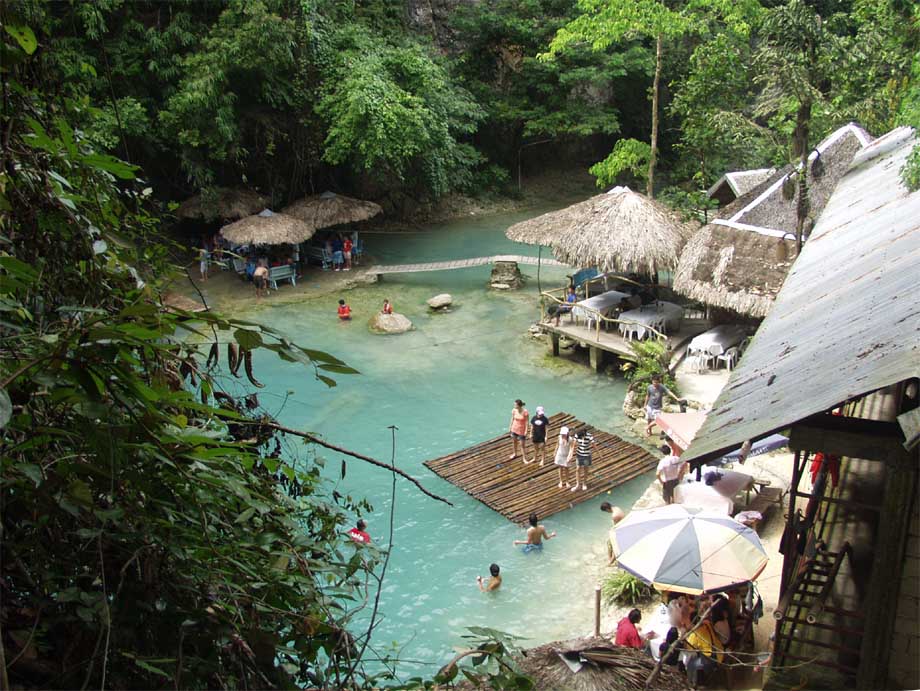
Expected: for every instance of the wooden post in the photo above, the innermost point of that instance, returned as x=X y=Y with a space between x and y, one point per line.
x=596 y=357
x=882 y=601
x=554 y=338
x=597 y=611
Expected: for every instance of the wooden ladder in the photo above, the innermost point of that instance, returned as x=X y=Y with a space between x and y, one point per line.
x=811 y=631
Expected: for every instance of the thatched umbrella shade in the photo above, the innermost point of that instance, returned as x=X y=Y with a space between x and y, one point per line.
x=331 y=209
x=546 y=228
x=268 y=228
x=221 y=203
x=734 y=268
x=616 y=668
x=623 y=231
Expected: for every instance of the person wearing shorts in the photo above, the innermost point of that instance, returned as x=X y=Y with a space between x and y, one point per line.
x=538 y=426
x=583 y=441
x=536 y=533
x=670 y=472
x=260 y=280
x=518 y=428
x=564 y=451
x=338 y=253
x=346 y=253
x=654 y=398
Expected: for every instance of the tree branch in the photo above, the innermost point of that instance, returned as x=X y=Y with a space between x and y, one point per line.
x=346 y=452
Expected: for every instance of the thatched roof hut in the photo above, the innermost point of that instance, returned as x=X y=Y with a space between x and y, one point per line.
x=546 y=228
x=268 y=228
x=609 y=668
x=737 y=183
x=623 y=230
x=740 y=260
x=331 y=209
x=221 y=203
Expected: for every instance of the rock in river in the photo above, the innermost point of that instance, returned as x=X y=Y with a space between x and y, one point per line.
x=390 y=323
x=440 y=302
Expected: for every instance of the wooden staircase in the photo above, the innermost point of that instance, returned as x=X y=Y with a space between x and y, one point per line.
x=809 y=630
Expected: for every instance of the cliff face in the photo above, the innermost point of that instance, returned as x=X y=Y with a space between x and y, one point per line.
x=433 y=18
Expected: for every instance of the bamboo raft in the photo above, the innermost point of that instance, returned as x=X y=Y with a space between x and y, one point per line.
x=515 y=490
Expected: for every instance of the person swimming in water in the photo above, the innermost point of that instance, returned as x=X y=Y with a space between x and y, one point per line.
x=494 y=582
x=535 y=535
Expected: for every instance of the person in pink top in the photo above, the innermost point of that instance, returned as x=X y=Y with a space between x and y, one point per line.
x=520 y=421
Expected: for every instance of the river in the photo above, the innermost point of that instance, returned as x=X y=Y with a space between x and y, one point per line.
x=448 y=384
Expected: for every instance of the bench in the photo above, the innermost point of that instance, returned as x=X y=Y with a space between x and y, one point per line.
x=319 y=255
x=285 y=272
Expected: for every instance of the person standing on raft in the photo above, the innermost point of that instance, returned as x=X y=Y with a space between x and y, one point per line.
x=520 y=421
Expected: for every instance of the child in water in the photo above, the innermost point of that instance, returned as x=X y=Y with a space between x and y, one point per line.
x=344 y=311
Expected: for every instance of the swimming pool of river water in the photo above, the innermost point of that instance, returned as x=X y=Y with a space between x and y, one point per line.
x=446 y=385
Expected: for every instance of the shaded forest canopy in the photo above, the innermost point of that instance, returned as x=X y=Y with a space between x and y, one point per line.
x=156 y=531
x=403 y=103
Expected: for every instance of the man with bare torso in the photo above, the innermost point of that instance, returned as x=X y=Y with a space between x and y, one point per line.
x=536 y=533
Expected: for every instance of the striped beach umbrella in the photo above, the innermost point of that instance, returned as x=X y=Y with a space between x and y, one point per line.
x=688 y=550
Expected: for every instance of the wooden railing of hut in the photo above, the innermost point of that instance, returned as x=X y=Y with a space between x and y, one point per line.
x=596 y=316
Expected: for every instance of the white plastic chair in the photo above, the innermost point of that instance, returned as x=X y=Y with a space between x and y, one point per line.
x=729 y=357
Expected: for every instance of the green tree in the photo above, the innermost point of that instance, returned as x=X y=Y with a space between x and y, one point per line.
x=793 y=63
x=530 y=102
x=393 y=112
x=604 y=23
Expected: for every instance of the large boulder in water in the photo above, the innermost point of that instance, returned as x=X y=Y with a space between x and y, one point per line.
x=390 y=323
x=440 y=302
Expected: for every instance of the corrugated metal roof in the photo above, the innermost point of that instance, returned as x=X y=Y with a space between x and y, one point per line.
x=847 y=320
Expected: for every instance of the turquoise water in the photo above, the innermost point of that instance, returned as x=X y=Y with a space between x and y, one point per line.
x=446 y=385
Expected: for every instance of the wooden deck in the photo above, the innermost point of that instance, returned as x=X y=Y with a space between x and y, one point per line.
x=515 y=490
x=612 y=342
x=459 y=264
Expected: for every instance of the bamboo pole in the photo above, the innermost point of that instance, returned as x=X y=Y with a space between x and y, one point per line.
x=597 y=611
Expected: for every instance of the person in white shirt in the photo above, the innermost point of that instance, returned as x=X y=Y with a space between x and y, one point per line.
x=671 y=470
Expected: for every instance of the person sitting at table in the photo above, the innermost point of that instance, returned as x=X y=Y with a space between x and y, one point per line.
x=555 y=311
x=628 y=633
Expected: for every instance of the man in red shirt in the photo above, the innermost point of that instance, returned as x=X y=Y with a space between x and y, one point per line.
x=628 y=634
x=359 y=534
x=346 y=248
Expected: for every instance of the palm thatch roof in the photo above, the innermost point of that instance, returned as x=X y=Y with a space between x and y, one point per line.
x=546 y=228
x=623 y=231
x=609 y=668
x=740 y=260
x=331 y=209
x=221 y=203
x=268 y=228
x=732 y=185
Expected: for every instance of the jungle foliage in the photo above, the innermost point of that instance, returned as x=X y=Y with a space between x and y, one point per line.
x=297 y=96
x=157 y=531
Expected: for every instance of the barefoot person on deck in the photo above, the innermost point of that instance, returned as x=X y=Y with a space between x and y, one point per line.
x=535 y=535
x=654 y=396
x=583 y=441
x=539 y=423
x=520 y=421
x=564 y=452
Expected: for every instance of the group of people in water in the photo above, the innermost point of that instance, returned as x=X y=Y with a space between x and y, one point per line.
x=577 y=445
x=344 y=311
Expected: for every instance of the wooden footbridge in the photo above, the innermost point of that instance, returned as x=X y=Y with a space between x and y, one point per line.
x=460 y=264
x=515 y=490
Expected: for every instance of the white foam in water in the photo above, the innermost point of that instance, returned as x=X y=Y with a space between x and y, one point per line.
x=447 y=385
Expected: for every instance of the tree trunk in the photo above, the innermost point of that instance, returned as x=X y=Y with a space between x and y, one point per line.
x=802 y=121
x=653 y=158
